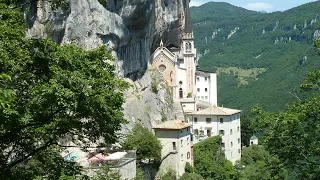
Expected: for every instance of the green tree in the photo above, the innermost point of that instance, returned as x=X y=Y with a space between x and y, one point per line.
x=210 y=161
x=260 y=164
x=191 y=176
x=169 y=175
x=139 y=174
x=143 y=140
x=188 y=168
x=48 y=92
x=49 y=164
x=293 y=135
x=105 y=173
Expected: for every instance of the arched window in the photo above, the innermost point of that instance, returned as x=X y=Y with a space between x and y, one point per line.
x=188 y=155
x=180 y=93
x=231 y=144
x=230 y=131
x=188 y=47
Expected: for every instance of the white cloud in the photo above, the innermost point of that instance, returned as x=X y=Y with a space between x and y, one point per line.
x=259 y=6
x=195 y=3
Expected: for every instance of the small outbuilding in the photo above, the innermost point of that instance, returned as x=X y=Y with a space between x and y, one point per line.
x=253 y=140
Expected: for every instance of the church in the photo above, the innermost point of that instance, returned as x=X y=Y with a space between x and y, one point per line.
x=196 y=91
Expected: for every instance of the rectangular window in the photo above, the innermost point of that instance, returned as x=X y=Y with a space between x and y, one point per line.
x=239 y=151
x=238 y=140
x=222 y=145
x=208 y=120
x=205 y=78
x=206 y=97
x=187 y=140
x=206 y=89
x=196 y=132
x=195 y=120
x=174 y=146
x=198 y=79
x=221 y=120
x=198 y=89
x=221 y=132
x=181 y=142
x=208 y=132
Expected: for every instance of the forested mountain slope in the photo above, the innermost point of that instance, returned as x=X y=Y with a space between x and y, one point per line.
x=260 y=58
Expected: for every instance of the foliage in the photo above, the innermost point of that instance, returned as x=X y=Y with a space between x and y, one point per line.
x=191 y=176
x=250 y=48
x=317 y=43
x=312 y=82
x=49 y=91
x=293 y=135
x=188 y=168
x=154 y=86
x=105 y=173
x=260 y=164
x=49 y=164
x=247 y=130
x=139 y=174
x=146 y=144
x=103 y=2
x=169 y=175
x=210 y=161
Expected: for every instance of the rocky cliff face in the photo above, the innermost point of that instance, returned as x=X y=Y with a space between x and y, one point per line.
x=132 y=29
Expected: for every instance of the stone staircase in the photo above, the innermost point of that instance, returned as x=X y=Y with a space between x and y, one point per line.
x=178 y=111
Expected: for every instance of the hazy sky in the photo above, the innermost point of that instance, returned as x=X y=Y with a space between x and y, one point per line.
x=259 y=5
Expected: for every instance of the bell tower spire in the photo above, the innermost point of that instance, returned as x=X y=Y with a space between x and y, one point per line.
x=189 y=52
x=188 y=24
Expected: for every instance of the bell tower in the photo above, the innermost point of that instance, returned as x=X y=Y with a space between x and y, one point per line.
x=189 y=52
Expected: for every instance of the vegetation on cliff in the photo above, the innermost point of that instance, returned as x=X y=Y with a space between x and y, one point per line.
x=49 y=92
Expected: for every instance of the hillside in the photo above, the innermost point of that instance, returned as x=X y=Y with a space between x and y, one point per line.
x=260 y=58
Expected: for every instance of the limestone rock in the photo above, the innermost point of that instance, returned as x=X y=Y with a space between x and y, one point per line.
x=132 y=29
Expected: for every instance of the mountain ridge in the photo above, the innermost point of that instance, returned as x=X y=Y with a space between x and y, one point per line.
x=237 y=41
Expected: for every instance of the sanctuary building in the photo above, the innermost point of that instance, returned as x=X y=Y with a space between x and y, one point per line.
x=196 y=91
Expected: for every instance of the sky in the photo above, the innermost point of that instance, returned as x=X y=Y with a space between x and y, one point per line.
x=258 y=5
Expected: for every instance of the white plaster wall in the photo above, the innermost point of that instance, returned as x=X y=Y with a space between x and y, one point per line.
x=210 y=84
x=201 y=124
x=188 y=106
x=184 y=149
x=167 y=137
x=181 y=76
x=183 y=146
x=201 y=84
x=254 y=142
x=213 y=89
x=230 y=122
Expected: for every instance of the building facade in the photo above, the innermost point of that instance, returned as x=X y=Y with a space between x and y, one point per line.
x=196 y=91
x=218 y=121
x=176 y=144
